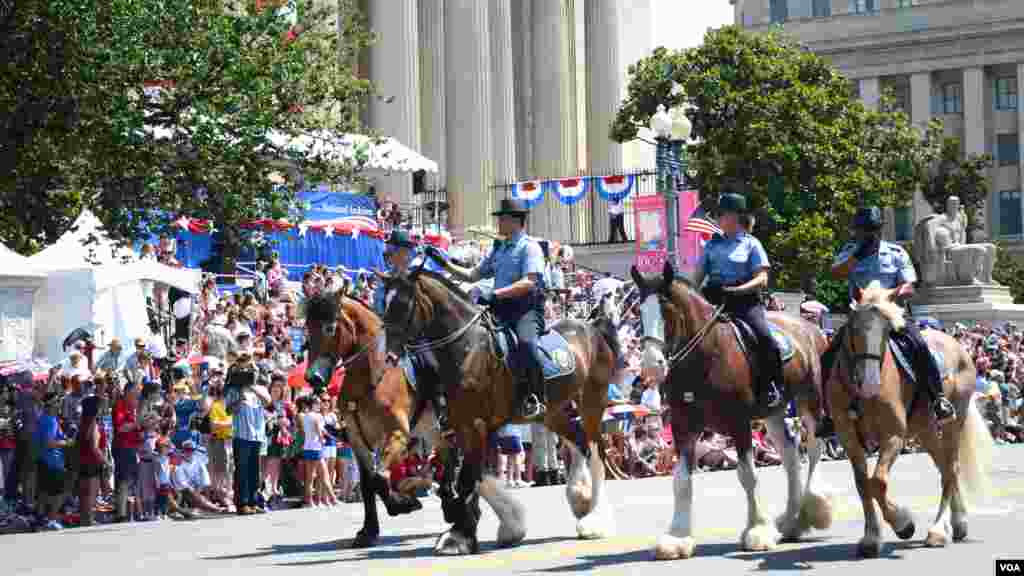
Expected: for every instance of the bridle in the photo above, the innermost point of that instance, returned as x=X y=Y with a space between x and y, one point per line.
x=687 y=348
x=430 y=344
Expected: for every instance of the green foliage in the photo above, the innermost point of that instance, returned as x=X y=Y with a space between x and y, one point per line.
x=781 y=124
x=239 y=82
x=954 y=175
x=1009 y=272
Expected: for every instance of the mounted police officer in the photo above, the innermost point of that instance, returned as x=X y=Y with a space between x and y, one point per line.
x=735 y=266
x=869 y=258
x=517 y=266
x=401 y=254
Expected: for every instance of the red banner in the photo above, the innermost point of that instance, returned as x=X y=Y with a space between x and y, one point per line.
x=651 y=233
x=690 y=245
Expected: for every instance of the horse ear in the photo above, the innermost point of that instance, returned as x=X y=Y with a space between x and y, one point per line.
x=858 y=292
x=668 y=273
x=638 y=279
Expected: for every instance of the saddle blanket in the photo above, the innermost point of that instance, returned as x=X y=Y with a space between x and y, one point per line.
x=555 y=358
x=907 y=367
x=745 y=335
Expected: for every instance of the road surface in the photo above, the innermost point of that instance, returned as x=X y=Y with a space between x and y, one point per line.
x=315 y=541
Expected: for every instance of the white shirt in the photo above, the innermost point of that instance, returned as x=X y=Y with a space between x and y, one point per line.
x=311 y=436
x=651 y=398
x=191 y=475
x=616 y=208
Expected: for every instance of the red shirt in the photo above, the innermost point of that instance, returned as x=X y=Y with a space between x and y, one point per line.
x=122 y=416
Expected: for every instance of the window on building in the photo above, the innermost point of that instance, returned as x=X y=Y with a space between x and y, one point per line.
x=1006 y=93
x=900 y=94
x=779 y=10
x=821 y=8
x=952 y=97
x=1011 y=222
x=903 y=222
x=863 y=6
x=1008 y=149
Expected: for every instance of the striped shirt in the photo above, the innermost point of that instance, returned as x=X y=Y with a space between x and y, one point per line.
x=248 y=421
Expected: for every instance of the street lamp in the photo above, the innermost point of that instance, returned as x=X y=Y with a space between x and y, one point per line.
x=671 y=130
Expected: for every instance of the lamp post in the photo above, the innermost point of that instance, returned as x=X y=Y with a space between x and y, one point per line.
x=671 y=132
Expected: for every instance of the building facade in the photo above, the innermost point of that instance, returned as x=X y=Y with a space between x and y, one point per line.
x=503 y=90
x=958 y=60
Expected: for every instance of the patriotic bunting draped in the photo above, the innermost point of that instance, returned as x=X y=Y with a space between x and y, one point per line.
x=572 y=190
x=615 y=188
x=531 y=192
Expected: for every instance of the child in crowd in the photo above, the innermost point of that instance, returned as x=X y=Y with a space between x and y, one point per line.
x=148 y=487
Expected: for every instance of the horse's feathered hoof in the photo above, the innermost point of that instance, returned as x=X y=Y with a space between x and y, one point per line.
x=672 y=548
x=398 y=504
x=907 y=532
x=364 y=539
x=452 y=543
x=960 y=531
x=869 y=548
x=760 y=538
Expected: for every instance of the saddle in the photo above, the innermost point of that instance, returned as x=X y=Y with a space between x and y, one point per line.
x=748 y=341
x=554 y=356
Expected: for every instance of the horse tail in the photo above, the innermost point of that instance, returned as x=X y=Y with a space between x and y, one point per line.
x=976 y=447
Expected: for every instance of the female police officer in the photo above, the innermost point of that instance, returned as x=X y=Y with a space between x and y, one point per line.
x=736 y=269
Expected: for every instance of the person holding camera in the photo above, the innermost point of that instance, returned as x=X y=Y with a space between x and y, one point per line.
x=246 y=398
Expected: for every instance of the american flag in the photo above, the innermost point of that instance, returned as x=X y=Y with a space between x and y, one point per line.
x=701 y=224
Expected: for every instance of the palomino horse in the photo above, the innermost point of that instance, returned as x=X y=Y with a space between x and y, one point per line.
x=894 y=411
x=710 y=385
x=376 y=402
x=480 y=391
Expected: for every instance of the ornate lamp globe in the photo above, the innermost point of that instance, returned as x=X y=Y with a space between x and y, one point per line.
x=661 y=123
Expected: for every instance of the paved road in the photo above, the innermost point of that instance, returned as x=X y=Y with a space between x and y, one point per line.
x=314 y=542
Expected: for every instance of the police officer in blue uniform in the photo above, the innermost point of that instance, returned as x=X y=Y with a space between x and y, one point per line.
x=400 y=252
x=735 y=266
x=869 y=258
x=517 y=266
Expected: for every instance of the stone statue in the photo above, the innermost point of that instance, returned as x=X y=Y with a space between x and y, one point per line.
x=945 y=257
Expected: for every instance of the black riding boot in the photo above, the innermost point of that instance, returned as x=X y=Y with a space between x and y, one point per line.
x=531 y=387
x=770 y=375
x=942 y=408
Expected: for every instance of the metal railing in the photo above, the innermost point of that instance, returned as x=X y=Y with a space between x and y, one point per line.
x=586 y=222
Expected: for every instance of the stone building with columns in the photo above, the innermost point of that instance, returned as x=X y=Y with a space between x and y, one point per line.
x=503 y=90
x=958 y=60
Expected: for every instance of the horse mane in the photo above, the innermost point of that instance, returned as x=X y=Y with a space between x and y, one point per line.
x=446 y=282
x=682 y=291
x=362 y=314
x=878 y=297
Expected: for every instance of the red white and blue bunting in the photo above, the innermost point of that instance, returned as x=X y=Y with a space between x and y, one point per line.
x=615 y=188
x=571 y=190
x=530 y=192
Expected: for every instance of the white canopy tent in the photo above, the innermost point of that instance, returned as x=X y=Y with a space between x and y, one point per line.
x=19 y=281
x=97 y=286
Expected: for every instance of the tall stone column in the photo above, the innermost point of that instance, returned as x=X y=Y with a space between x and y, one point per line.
x=870 y=92
x=1020 y=128
x=503 y=103
x=605 y=80
x=555 y=138
x=432 y=84
x=394 y=68
x=921 y=114
x=522 y=36
x=468 y=102
x=974 y=119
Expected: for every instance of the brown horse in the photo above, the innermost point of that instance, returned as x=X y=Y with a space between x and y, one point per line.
x=893 y=412
x=709 y=384
x=376 y=402
x=460 y=338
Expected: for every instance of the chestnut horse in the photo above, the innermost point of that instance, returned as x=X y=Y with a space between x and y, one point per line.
x=709 y=384
x=376 y=402
x=437 y=316
x=894 y=411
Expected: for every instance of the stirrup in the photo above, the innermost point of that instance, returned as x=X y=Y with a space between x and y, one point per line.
x=939 y=406
x=533 y=407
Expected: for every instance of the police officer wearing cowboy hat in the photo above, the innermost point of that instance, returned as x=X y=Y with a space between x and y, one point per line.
x=869 y=258
x=401 y=254
x=735 y=266
x=517 y=266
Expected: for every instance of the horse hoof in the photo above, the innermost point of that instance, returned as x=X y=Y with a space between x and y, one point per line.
x=591 y=528
x=791 y=529
x=960 y=531
x=509 y=536
x=816 y=511
x=672 y=548
x=907 y=533
x=364 y=539
x=937 y=538
x=761 y=538
x=452 y=543
x=869 y=548
x=398 y=505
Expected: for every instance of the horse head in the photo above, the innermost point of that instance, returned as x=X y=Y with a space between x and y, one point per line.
x=873 y=315
x=657 y=294
x=339 y=330
x=406 y=311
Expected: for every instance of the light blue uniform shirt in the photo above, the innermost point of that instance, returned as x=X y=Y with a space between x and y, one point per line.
x=891 y=266
x=733 y=260
x=513 y=261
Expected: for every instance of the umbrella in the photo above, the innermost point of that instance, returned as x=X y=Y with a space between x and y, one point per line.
x=78 y=335
x=626 y=411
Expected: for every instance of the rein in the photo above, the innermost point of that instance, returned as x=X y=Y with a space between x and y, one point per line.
x=695 y=340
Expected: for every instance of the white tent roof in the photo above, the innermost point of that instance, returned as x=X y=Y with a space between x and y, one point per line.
x=14 y=264
x=69 y=253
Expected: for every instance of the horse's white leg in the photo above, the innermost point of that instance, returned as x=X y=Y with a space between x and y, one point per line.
x=760 y=534
x=941 y=532
x=679 y=542
x=598 y=523
x=817 y=507
x=789 y=522
x=579 y=488
x=510 y=512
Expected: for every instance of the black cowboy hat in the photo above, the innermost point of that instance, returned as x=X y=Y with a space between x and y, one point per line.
x=868 y=218
x=401 y=238
x=511 y=207
x=732 y=202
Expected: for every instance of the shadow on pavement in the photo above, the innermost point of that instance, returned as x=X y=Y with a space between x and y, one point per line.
x=594 y=561
x=808 y=556
x=329 y=546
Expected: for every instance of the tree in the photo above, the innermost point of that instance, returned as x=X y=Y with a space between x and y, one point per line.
x=780 y=124
x=143 y=111
x=954 y=175
x=1009 y=272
